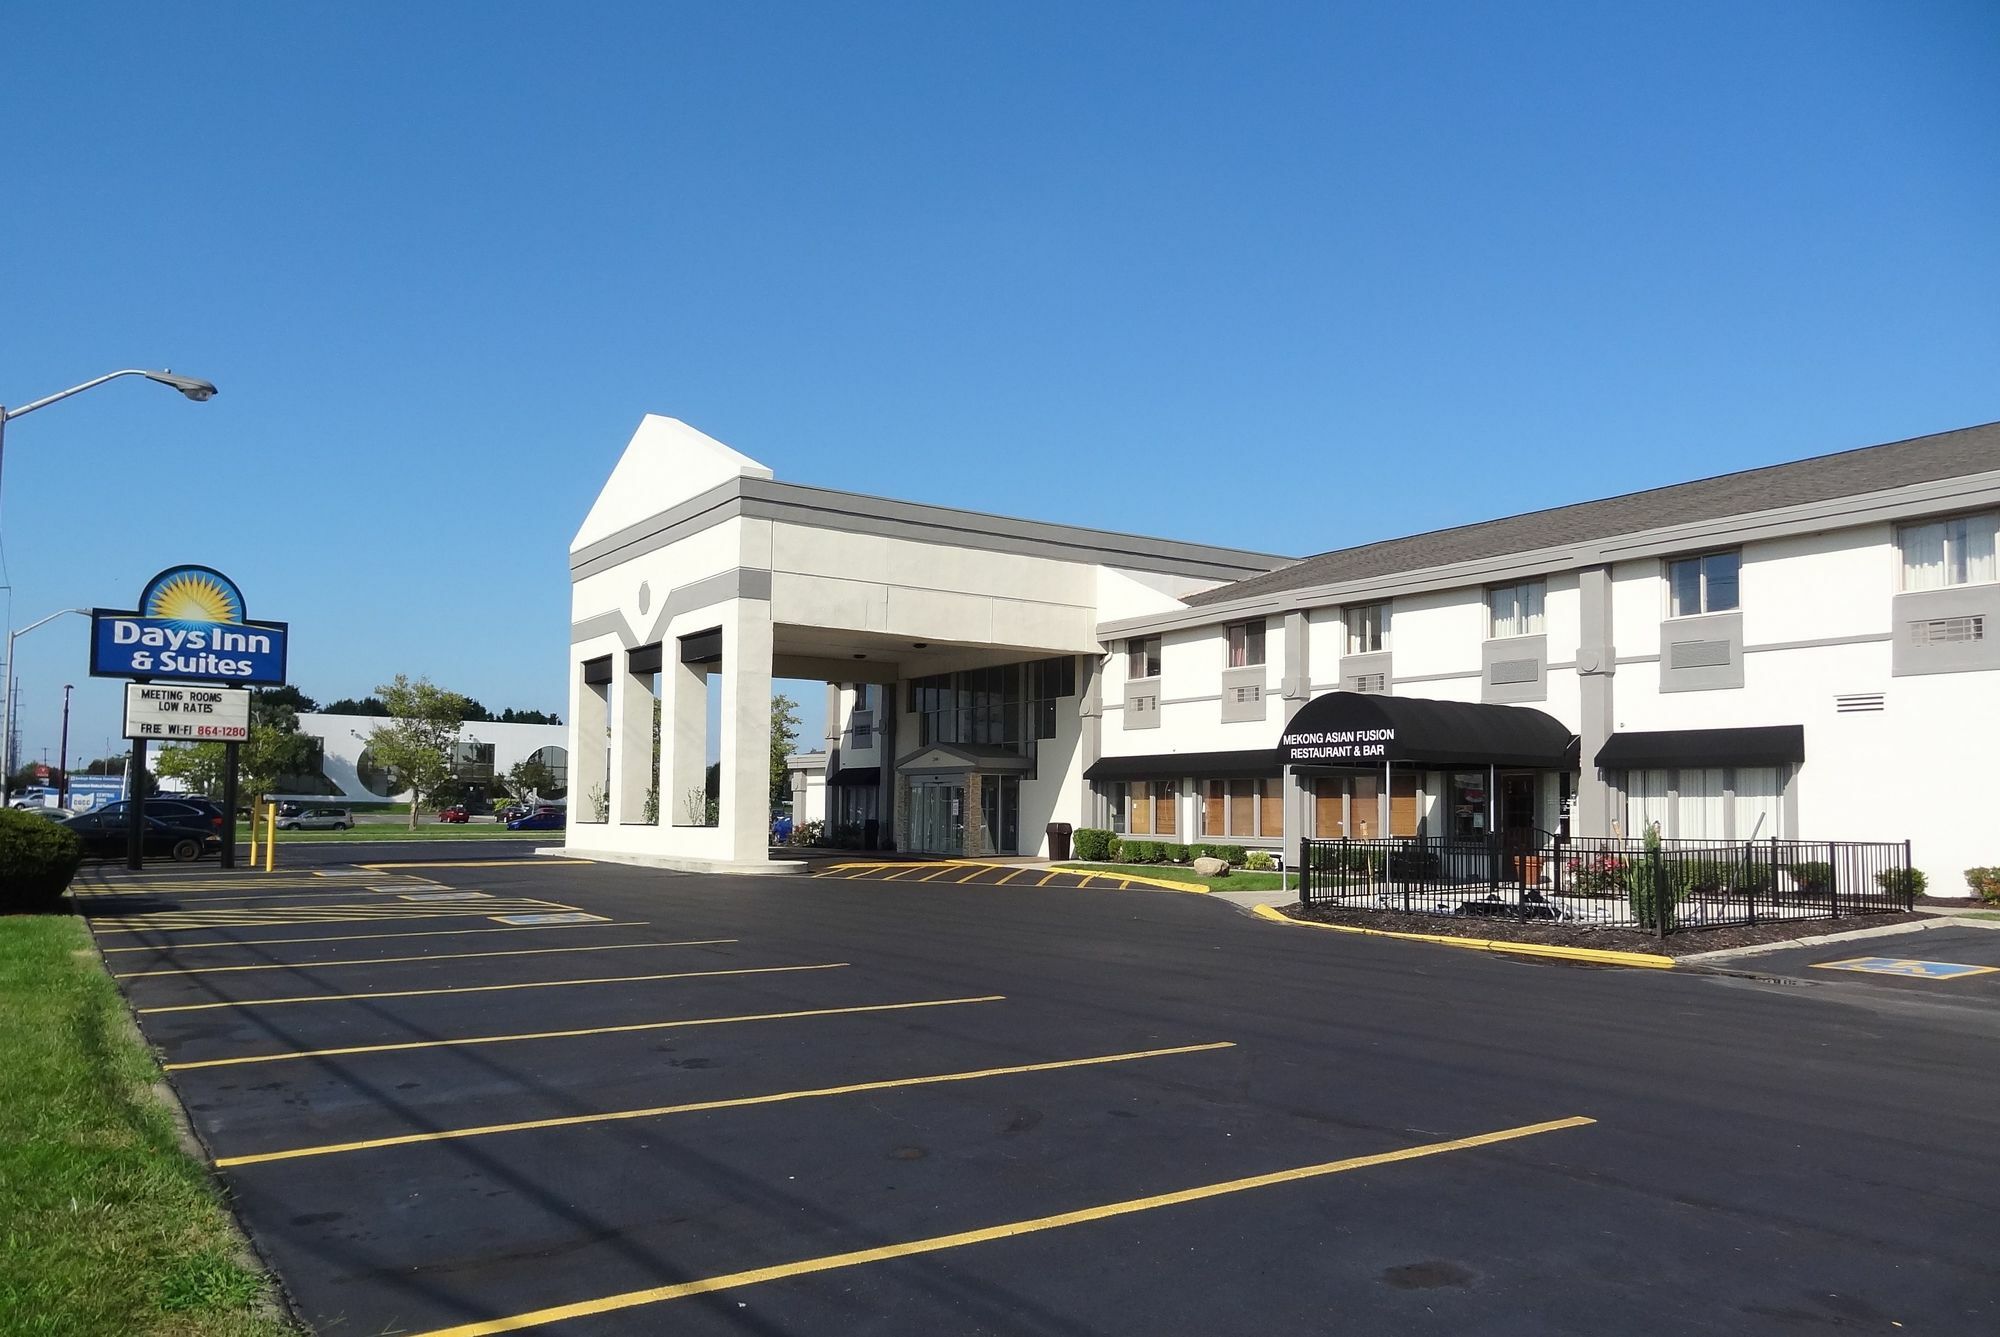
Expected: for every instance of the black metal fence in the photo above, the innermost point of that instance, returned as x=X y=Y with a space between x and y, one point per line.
x=1616 y=883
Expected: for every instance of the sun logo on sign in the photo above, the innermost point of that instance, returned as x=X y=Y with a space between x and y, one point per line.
x=192 y=594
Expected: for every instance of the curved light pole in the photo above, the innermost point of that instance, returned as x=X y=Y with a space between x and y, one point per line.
x=197 y=390
x=7 y=720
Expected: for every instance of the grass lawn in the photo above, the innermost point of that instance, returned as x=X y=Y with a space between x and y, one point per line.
x=424 y=831
x=106 y=1225
x=1180 y=872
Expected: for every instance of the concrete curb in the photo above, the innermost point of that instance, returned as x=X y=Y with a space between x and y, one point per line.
x=1592 y=955
x=1830 y=939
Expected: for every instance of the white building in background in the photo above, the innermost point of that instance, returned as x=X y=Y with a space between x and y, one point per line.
x=1809 y=650
x=487 y=751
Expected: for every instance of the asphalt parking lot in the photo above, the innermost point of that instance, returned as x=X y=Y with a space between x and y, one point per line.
x=1958 y=963
x=464 y=1095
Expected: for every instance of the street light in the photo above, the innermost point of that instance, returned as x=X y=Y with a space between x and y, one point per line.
x=7 y=721
x=197 y=390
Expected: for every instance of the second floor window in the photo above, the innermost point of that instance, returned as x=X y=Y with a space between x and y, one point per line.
x=1516 y=609
x=1142 y=657
x=1246 y=644
x=1702 y=584
x=1367 y=628
x=1943 y=553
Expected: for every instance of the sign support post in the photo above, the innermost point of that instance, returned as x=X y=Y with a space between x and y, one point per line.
x=135 y=808
x=230 y=751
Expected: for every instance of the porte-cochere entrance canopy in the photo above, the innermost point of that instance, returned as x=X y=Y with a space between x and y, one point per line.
x=1362 y=729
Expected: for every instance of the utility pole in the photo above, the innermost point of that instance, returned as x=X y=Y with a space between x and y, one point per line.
x=62 y=762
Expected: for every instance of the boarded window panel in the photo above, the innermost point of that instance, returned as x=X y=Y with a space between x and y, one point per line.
x=1270 y=808
x=1242 y=806
x=1328 y=796
x=1211 y=809
x=1403 y=805
x=1142 y=808
x=1163 y=808
x=1365 y=819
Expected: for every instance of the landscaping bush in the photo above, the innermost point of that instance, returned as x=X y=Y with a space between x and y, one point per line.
x=1202 y=850
x=1812 y=875
x=1902 y=882
x=37 y=860
x=1172 y=853
x=1591 y=874
x=1985 y=883
x=808 y=833
x=1233 y=855
x=1652 y=887
x=1091 y=843
x=1259 y=862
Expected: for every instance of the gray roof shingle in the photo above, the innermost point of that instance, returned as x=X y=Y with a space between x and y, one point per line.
x=1922 y=459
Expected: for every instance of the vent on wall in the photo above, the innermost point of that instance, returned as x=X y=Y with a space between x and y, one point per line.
x=1948 y=630
x=1858 y=702
x=1697 y=654
x=1515 y=670
x=1247 y=695
x=1368 y=682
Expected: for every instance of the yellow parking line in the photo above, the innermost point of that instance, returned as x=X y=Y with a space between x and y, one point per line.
x=1047 y=878
x=1010 y=877
x=367 y=937
x=189 y=921
x=216 y=897
x=1123 y=885
x=626 y=1029
x=397 y=960
x=942 y=869
x=552 y=861
x=982 y=868
x=485 y=988
x=700 y=1106
x=1009 y=1230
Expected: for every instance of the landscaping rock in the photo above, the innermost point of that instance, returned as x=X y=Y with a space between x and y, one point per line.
x=1207 y=867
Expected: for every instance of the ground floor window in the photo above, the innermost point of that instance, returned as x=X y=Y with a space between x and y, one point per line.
x=1143 y=807
x=1000 y=807
x=853 y=816
x=1350 y=806
x=1243 y=809
x=1705 y=802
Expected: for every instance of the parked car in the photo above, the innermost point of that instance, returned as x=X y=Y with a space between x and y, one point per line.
x=455 y=813
x=104 y=836
x=174 y=809
x=545 y=818
x=317 y=819
x=781 y=828
x=511 y=811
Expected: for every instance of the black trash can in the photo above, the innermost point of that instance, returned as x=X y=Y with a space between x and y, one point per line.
x=1059 y=840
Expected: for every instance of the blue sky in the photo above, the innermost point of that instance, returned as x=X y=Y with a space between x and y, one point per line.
x=1391 y=266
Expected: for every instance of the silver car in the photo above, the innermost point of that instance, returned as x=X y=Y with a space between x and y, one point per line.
x=318 y=819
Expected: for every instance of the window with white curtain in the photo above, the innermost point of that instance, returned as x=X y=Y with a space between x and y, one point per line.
x=1516 y=609
x=1943 y=553
x=1705 y=802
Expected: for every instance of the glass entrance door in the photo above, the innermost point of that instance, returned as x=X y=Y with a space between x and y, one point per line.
x=937 y=817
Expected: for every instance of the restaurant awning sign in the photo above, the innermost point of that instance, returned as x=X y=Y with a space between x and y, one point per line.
x=190 y=626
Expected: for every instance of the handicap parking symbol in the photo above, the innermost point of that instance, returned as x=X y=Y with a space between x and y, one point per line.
x=1909 y=969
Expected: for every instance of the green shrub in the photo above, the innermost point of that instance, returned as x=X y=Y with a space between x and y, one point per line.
x=1233 y=855
x=808 y=833
x=1900 y=882
x=1985 y=883
x=37 y=860
x=1259 y=862
x=1091 y=843
x=1203 y=850
x=1812 y=875
x=1652 y=887
x=1172 y=853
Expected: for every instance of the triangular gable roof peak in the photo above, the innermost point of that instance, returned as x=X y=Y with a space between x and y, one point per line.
x=665 y=463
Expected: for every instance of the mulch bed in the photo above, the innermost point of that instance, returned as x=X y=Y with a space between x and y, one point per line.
x=1559 y=934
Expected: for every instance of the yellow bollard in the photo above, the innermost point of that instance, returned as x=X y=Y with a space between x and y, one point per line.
x=270 y=836
x=252 y=865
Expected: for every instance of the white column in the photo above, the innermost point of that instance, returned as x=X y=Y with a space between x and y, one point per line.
x=746 y=729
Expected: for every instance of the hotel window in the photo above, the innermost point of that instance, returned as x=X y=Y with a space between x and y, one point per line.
x=1516 y=609
x=1246 y=644
x=1142 y=657
x=1143 y=808
x=1731 y=803
x=1243 y=809
x=1367 y=628
x=1943 y=553
x=1698 y=585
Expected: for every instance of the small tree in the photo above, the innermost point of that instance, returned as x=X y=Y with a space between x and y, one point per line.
x=784 y=737
x=530 y=777
x=417 y=744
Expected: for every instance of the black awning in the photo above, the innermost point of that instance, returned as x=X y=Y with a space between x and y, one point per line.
x=866 y=776
x=1366 y=729
x=1766 y=745
x=1194 y=765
